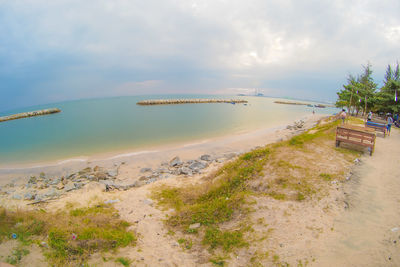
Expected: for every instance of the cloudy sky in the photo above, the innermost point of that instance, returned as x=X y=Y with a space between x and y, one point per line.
x=53 y=51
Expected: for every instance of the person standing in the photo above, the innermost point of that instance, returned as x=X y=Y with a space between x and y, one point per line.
x=369 y=118
x=389 y=124
x=342 y=115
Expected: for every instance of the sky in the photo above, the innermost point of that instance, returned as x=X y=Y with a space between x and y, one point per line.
x=52 y=51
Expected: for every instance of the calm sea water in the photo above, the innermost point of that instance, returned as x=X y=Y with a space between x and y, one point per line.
x=88 y=127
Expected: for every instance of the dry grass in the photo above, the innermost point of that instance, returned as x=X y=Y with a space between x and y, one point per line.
x=96 y=228
x=296 y=170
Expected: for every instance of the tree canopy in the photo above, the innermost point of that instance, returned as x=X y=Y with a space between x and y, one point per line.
x=361 y=93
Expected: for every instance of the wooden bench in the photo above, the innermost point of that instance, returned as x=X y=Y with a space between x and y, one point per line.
x=357 y=135
x=377 y=126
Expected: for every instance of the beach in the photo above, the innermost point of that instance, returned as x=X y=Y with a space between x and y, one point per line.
x=129 y=168
x=129 y=163
x=351 y=201
x=176 y=133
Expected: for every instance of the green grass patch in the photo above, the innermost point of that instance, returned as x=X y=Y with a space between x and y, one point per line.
x=227 y=240
x=218 y=261
x=326 y=176
x=300 y=197
x=71 y=236
x=185 y=243
x=324 y=131
x=214 y=203
x=124 y=261
x=277 y=196
x=17 y=255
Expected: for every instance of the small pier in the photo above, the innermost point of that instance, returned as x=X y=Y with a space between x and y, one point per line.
x=188 y=101
x=30 y=114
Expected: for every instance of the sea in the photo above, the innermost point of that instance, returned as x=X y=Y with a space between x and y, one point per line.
x=116 y=125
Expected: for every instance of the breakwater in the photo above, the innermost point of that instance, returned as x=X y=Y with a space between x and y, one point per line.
x=301 y=104
x=290 y=103
x=30 y=114
x=188 y=101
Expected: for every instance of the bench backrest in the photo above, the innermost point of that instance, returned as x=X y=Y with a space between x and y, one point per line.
x=375 y=124
x=355 y=134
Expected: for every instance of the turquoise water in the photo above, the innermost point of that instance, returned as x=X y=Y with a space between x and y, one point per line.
x=88 y=127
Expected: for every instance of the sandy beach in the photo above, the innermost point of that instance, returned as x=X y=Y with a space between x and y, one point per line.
x=153 y=156
x=353 y=222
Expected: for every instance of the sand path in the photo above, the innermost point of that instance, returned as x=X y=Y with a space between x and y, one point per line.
x=368 y=232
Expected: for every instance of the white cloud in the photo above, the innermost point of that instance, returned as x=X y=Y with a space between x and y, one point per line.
x=224 y=44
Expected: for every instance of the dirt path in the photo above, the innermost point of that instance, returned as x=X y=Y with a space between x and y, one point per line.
x=368 y=232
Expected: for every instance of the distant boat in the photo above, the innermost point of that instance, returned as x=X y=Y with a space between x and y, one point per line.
x=320 y=106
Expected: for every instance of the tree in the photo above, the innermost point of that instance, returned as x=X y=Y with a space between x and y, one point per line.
x=367 y=89
x=358 y=93
x=386 y=98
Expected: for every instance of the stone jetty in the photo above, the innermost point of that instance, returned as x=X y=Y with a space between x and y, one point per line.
x=30 y=114
x=188 y=101
x=290 y=103
x=302 y=104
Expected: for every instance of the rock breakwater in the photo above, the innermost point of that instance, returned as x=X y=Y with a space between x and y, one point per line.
x=30 y=114
x=301 y=104
x=188 y=101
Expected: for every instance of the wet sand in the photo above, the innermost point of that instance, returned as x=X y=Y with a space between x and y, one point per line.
x=367 y=233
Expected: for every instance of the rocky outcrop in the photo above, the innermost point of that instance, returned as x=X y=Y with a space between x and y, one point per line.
x=296 y=125
x=30 y=114
x=42 y=188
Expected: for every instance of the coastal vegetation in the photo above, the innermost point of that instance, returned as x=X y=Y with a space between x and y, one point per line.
x=216 y=213
x=361 y=94
x=67 y=237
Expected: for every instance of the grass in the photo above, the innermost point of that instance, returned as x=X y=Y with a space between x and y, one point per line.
x=214 y=237
x=96 y=229
x=124 y=261
x=223 y=196
x=17 y=255
x=215 y=202
x=218 y=261
x=325 y=176
x=185 y=243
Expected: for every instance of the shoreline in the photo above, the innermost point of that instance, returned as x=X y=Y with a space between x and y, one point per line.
x=236 y=142
x=329 y=234
x=144 y=149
